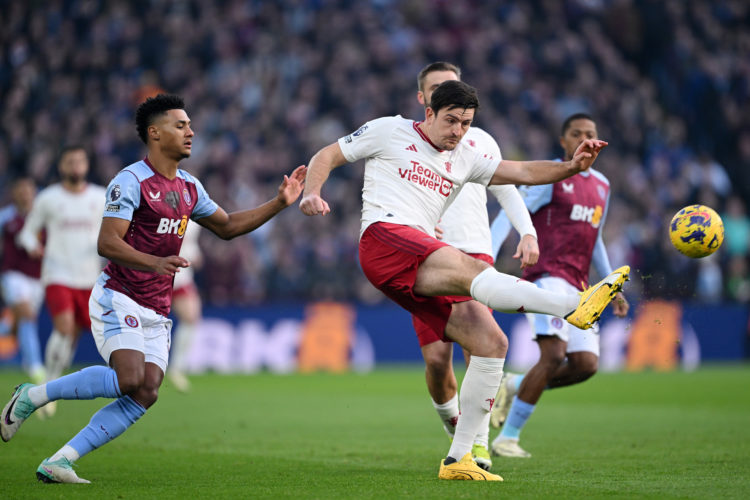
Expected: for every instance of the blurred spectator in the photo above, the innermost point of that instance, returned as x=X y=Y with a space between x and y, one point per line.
x=271 y=82
x=736 y=228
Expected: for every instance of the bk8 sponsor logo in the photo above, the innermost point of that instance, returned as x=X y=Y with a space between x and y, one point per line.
x=172 y=226
x=593 y=215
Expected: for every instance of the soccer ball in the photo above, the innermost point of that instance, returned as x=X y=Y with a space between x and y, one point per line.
x=696 y=231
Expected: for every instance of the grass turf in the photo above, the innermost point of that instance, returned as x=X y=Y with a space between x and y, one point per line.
x=649 y=435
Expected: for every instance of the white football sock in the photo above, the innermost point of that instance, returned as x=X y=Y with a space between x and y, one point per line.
x=506 y=293
x=477 y=394
x=66 y=451
x=448 y=413
x=57 y=354
x=483 y=435
x=184 y=335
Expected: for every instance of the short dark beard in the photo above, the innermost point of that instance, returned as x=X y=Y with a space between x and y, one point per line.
x=74 y=179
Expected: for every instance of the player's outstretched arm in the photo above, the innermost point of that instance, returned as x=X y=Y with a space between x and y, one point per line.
x=318 y=170
x=228 y=226
x=111 y=245
x=547 y=172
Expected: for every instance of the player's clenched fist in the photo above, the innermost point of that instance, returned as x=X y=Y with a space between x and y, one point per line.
x=313 y=204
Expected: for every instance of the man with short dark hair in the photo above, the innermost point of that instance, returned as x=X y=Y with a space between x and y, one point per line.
x=69 y=213
x=148 y=205
x=413 y=170
x=465 y=225
x=570 y=216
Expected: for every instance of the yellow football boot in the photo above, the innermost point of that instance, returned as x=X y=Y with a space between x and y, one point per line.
x=466 y=469
x=596 y=298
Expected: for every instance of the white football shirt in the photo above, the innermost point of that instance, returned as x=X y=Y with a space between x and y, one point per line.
x=192 y=252
x=408 y=180
x=71 y=221
x=465 y=223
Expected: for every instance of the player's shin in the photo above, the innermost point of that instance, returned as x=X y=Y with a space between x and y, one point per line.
x=105 y=425
x=476 y=397
x=506 y=293
x=89 y=383
x=57 y=354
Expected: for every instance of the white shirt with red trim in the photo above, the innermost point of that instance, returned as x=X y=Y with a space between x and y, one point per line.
x=408 y=180
x=465 y=223
x=72 y=222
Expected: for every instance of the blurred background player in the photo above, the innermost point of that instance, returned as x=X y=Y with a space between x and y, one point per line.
x=465 y=225
x=70 y=214
x=569 y=216
x=186 y=306
x=22 y=291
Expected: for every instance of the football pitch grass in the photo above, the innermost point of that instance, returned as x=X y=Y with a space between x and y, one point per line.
x=647 y=435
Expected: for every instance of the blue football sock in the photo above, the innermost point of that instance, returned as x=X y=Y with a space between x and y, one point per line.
x=517 y=381
x=92 y=382
x=107 y=424
x=517 y=416
x=28 y=341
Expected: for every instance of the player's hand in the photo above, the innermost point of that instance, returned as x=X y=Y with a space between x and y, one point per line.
x=292 y=186
x=586 y=153
x=439 y=232
x=36 y=253
x=168 y=266
x=620 y=305
x=313 y=204
x=527 y=251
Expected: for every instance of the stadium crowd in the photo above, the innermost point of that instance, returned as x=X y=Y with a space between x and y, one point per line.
x=268 y=83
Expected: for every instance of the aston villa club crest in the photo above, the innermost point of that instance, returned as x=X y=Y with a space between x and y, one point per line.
x=186 y=196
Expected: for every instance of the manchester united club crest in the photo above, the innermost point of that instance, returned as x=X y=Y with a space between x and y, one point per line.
x=448 y=166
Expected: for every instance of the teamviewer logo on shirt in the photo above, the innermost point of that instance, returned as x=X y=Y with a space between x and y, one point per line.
x=423 y=176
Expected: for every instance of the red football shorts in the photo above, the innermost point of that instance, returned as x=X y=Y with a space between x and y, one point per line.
x=390 y=255
x=184 y=290
x=428 y=335
x=60 y=299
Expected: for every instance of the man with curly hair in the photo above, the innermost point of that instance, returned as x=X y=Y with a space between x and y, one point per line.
x=148 y=205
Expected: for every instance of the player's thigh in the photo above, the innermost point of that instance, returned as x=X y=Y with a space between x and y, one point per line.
x=447 y=271
x=472 y=326
x=157 y=341
x=116 y=322
x=551 y=349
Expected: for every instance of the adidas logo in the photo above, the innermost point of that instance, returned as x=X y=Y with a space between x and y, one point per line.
x=412 y=148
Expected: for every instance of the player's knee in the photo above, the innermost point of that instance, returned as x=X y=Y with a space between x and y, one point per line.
x=130 y=383
x=148 y=396
x=586 y=367
x=499 y=345
x=552 y=360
